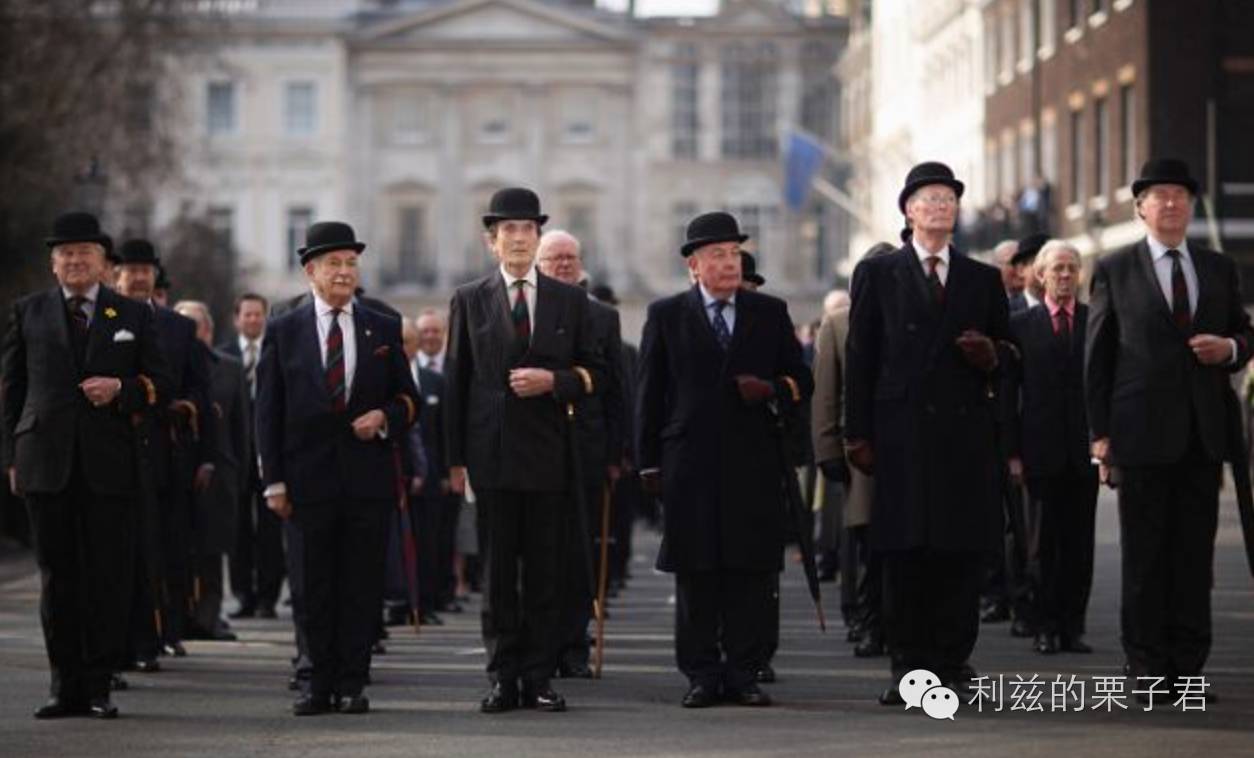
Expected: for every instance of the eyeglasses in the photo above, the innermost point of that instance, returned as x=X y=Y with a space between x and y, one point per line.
x=942 y=201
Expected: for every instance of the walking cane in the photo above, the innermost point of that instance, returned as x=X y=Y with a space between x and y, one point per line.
x=602 y=580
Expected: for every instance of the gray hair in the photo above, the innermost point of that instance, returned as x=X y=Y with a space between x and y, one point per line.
x=1004 y=251
x=1054 y=245
x=553 y=235
x=195 y=309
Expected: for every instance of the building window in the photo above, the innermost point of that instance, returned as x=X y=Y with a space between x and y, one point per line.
x=1077 y=156
x=749 y=89
x=1101 y=144
x=755 y=221
x=409 y=124
x=579 y=113
x=818 y=90
x=411 y=265
x=1075 y=13
x=300 y=109
x=581 y=223
x=1099 y=6
x=220 y=108
x=684 y=94
x=681 y=214
x=298 y=220
x=221 y=220
x=491 y=117
x=1027 y=33
x=1127 y=135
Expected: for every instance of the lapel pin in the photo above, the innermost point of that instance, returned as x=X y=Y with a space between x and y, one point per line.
x=110 y=313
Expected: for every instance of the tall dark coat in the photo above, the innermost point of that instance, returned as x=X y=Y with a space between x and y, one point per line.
x=1142 y=383
x=216 y=508
x=927 y=414
x=1048 y=427
x=188 y=360
x=47 y=419
x=509 y=442
x=301 y=439
x=431 y=423
x=719 y=459
x=601 y=416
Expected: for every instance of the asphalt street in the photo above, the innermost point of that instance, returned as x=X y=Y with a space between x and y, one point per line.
x=230 y=699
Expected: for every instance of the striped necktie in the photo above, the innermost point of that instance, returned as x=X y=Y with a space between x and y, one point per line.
x=520 y=315
x=335 y=375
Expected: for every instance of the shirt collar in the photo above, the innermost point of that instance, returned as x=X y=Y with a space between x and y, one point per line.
x=529 y=277
x=923 y=252
x=710 y=300
x=1055 y=307
x=324 y=309
x=91 y=295
x=243 y=341
x=1158 y=249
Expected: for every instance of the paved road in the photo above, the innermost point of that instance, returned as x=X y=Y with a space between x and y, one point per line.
x=229 y=698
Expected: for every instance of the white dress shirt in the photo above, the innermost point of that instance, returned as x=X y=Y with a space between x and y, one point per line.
x=90 y=297
x=323 y=312
x=435 y=362
x=942 y=268
x=529 y=291
x=729 y=310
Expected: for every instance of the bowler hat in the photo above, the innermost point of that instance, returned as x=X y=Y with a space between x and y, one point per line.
x=928 y=172
x=138 y=251
x=1164 y=171
x=709 y=228
x=514 y=203
x=1029 y=246
x=749 y=269
x=326 y=236
x=604 y=293
x=78 y=226
x=163 y=280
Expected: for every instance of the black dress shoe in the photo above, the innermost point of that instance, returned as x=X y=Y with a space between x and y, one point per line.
x=1021 y=628
x=1074 y=645
x=751 y=695
x=354 y=704
x=1046 y=644
x=573 y=671
x=995 y=614
x=102 y=708
x=500 y=698
x=428 y=618
x=117 y=683
x=311 y=705
x=700 y=696
x=294 y=683
x=542 y=698
x=174 y=649
x=59 y=708
x=243 y=612
x=891 y=696
x=872 y=646
x=267 y=612
x=146 y=665
x=765 y=674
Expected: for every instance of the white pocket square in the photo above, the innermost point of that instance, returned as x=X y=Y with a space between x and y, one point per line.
x=123 y=335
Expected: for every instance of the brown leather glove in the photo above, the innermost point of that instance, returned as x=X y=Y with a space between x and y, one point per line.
x=860 y=456
x=754 y=391
x=978 y=350
x=651 y=482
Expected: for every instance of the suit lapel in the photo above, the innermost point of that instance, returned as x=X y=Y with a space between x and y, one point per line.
x=1205 y=290
x=910 y=277
x=308 y=349
x=96 y=330
x=364 y=336
x=701 y=325
x=495 y=305
x=1143 y=260
x=544 y=320
x=745 y=321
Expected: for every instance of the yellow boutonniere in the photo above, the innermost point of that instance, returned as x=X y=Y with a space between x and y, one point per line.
x=110 y=313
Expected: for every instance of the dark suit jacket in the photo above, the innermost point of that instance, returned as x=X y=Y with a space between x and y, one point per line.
x=431 y=420
x=1142 y=384
x=47 y=419
x=601 y=416
x=928 y=415
x=216 y=513
x=1048 y=427
x=510 y=442
x=188 y=360
x=719 y=459
x=301 y=439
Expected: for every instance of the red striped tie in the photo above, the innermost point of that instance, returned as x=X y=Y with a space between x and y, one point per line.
x=335 y=377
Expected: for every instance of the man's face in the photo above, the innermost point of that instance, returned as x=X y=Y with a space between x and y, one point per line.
x=559 y=258
x=932 y=208
x=250 y=319
x=1060 y=273
x=410 y=340
x=78 y=265
x=717 y=266
x=430 y=334
x=514 y=243
x=204 y=331
x=137 y=280
x=334 y=276
x=1167 y=210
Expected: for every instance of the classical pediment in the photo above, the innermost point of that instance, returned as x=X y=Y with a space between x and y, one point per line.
x=489 y=21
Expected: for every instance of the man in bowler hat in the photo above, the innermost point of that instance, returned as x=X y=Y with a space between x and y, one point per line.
x=921 y=360
x=1166 y=327
x=80 y=363
x=521 y=353
x=716 y=362
x=334 y=396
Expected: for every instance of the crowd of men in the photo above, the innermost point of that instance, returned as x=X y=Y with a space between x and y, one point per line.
x=955 y=421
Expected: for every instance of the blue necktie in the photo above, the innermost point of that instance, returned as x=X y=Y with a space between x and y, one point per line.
x=721 y=332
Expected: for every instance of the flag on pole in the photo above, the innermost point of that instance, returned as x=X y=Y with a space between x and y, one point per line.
x=805 y=155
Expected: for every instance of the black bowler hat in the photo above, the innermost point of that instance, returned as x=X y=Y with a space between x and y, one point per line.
x=517 y=203
x=709 y=228
x=1029 y=246
x=1164 y=171
x=604 y=293
x=78 y=226
x=929 y=172
x=326 y=236
x=749 y=269
x=138 y=251
x=163 y=281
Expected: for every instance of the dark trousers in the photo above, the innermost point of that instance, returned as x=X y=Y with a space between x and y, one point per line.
x=583 y=543
x=208 y=590
x=526 y=558
x=861 y=581
x=83 y=544
x=722 y=626
x=399 y=582
x=342 y=546
x=449 y=508
x=1167 y=521
x=175 y=508
x=295 y=555
x=626 y=496
x=158 y=611
x=931 y=609
x=257 y=563
x=1067 y=504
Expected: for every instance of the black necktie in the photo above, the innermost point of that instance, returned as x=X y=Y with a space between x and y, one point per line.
x=337 y=386
x=1063 y=330
x=721 y=332
x=79 y=326
x=933 y=279
x=520 y=313
x=1180 y=312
